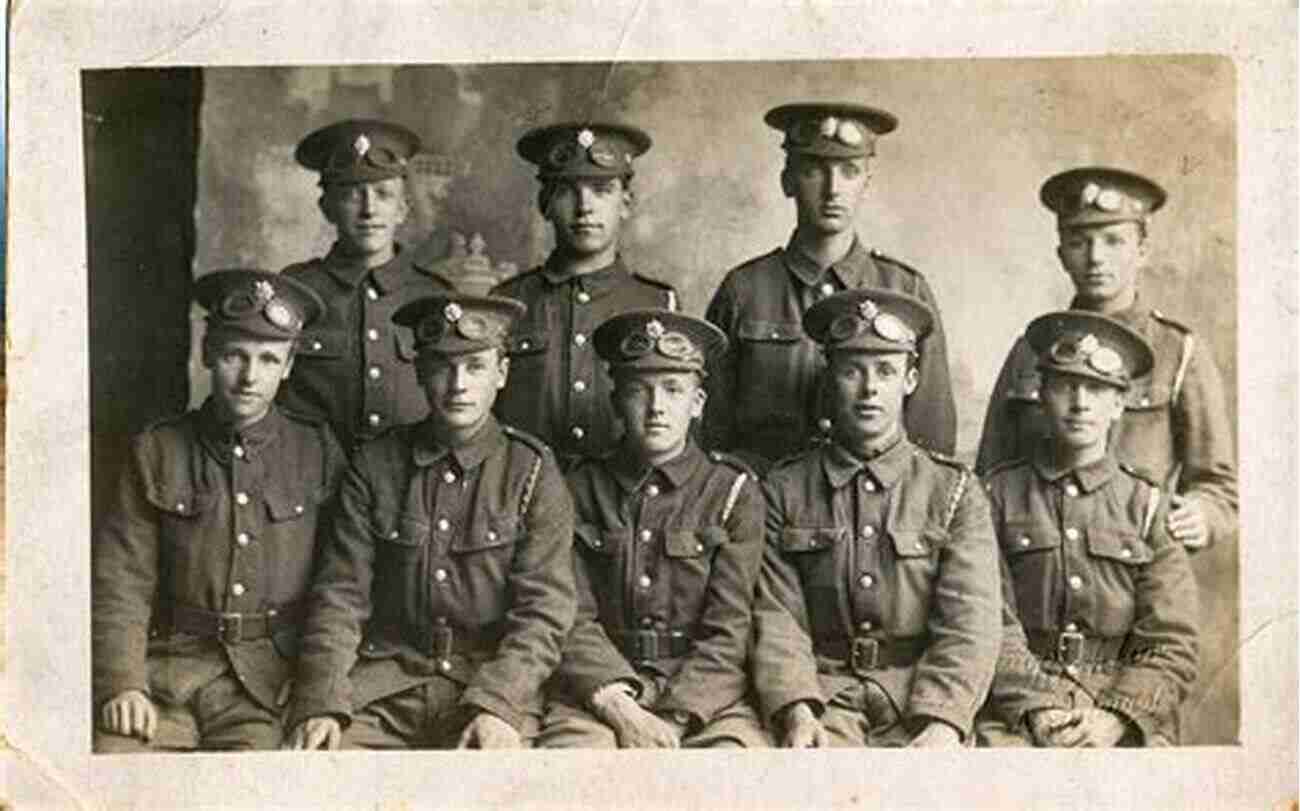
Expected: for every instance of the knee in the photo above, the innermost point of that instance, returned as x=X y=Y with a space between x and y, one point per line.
x=107 y=743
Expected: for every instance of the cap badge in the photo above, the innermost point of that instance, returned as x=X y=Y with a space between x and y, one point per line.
x=829 y=125
x=279 y=314
x=361 y=145
x=1109 y=200
x=890 y=328
x=654 y=329
x=868 y=309
x=1088 y=344
x=1106 y=360
x=848 y=133
x=1090 y=193
x=452 y=312
x=586 y=138
x=263 y=292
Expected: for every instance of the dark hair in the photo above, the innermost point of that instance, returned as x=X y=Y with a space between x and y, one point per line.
x=547 y=191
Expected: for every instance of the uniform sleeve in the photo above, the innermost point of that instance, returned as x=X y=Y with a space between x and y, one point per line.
x=1207 y=448
x=785 y=670
x=719 y=416
x=1161 y=653
x=339 y=604
x=1019 y=684
x=125 y=577
x=998 y=439
x=542 y=606
x=713 y=676
x=931 y=415
x=953 y=677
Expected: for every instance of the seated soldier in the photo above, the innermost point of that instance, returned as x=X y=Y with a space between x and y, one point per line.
x=669 y=541
x=1102 y=590
x=201 y=569
x=876 y=617
x=446 y=589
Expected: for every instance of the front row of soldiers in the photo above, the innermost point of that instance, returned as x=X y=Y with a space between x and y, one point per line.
x=459 y=594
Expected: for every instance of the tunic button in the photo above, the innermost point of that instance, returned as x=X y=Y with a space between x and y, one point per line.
x=1073 y=670
x=824 y=424
x=577 y=432
x=449 y=477
x=374 y=372
x=1071 y=628
x=865 y=581
x=444 y=665
x=394 y=535
x=646 y=534
x=864 y=626
x=775 y=334
x=241 y=498
x=180 y=506
x=440 y=575
x=1126 y=552
x=647 y=622
x=699 y=547
x=443 y=524
x=869 y=485
x=827 y=289
x=298 y=509
x=580 y=339
x=372 y=334
x=652 y=490
x=1146 y=401
x=1071 y=490
x=373 y=419
x=583 y=297
x=1076 y=582
x=579 y=386
x=868 y=531
x=1072 y=533
x=317 y=345
x=372 y=294
x=643 y=581
x=492 y=535
x=1024 y=540
x=237 y=589
x=238 y=451
x=242 y=539
x=1033 y=395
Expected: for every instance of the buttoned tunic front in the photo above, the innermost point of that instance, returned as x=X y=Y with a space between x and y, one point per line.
x=557 y=388
x=765 y=396
x=896 y=553
x=1088 y=557
x=444 y=562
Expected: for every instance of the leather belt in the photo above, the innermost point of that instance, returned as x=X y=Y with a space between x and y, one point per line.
x=863 y=654
x=649 y=645
x=1072 y=647
x=229 y=627
x=442 y=640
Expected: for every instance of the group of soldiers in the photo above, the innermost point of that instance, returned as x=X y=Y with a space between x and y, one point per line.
x=564 y=514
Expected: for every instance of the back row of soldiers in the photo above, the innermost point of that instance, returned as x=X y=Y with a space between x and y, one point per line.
x=825 y=574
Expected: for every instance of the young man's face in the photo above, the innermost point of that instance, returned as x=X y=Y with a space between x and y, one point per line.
x=1102 y=260
x=869 y=389
x=1080 y=409
x=462 y=388
x=246 y=373
x=367 y=215
x=657 y=408
x=827 y=191
x=588 y=213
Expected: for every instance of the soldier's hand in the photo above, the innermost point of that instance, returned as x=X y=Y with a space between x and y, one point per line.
x=1187 y=523
x=130 y=713
x=1044 y=723
x=487 y=731
x=803 y=730
x=317 y=732
x=937 y=735
x=1090 y=727
x=637 y=727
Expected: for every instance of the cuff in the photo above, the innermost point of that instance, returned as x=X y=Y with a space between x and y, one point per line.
x=480 y=699
x=959 y=720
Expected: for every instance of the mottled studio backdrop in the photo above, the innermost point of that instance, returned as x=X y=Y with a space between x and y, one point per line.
x=954 y=191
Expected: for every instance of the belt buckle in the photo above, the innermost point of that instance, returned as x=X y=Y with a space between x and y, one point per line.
x=647 y=645
x=864 y=655
x=1069 y=647
x=230 y=628
x=443 y=636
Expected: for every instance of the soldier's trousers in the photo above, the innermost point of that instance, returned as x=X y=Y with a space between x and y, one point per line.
x=569 y=727
x=427 y=716
x=863 y=714
x=219 y=715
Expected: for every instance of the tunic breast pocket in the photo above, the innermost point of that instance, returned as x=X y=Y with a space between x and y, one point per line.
x=1031 y=551
x=689 y=554
x=402 y=539
x=1117 y=555
x=486 y=548
x=1145 y=435
x=818 y=555
x=528 y=352
x=404 y=346
x=182 y=512
x=321 y=344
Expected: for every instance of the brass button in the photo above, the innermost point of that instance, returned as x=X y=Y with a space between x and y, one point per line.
x=449 y=477
x=298 y=509
x=869 y=485
x=1072 y=533
x=1126 y=553
x=1073 y=670
x=868 y=531
x=1076 y=582
x=824 y=424
x=577 y=432
x=652 y=490
x=579 y=386
x=241 y=498
x=1146 y=401
x=373 y=419
x=1033 y=395
x=444 y=665
x=372 y=294
x=237 y=589
x=525 y=344
x=317 y=346
x=492 y=534
x=443 y=524
x=699 y=547
x=180 y=506
x=580 y=339
x=646 y=534
x=394 y=535
x=644 y=581
x=1071 y=490
x=1024 y=540
x=440 y=575
x=775 y=334
x=647 y=622
x=827 y=288
x=238 y=451
x=865 y=626
x=1071 y=628
x=374 y=372
x=372 y=334
x=866 y=581
x=583 y=297
x=242 y=539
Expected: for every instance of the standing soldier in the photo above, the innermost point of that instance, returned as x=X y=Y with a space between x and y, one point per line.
x=766 y=401
x=446 y=588
x=1175 y=426
x=1105 y=649
x=201 y=569
x=353 y=367
x=555 y=388
x=669 y=545
x=877 y=615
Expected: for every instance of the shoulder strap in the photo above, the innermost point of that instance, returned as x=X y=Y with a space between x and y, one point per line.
x=1153 y=504
x=1189 y=342
x=954 y=497
x=529 y=485
x=733 y=495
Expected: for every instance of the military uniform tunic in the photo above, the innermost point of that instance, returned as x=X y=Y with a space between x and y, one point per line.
x=879 y=596
x=666 y=561
x=557 y=388
x=445 y=564
x=209 y=521
x=1175 y=425
x=353 y=365
x=1087 y=555
x=765 y=397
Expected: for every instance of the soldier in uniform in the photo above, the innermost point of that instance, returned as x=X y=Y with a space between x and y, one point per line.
x=877 y=613
x=201 y=569
x=446 y=587
x=1175 y=427
x=556 y=390
x=765 y=401
x=1100 y=646
x=669 y=541
x=353 y=366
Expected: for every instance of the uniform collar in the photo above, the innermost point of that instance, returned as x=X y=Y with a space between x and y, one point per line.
x=885 y=467
x=1134 y=317
x=630 y=472
x=593 y=282
x=221 y=439
x=1090 y=476
x=426 y=449
x=349 y=272
x=856 y=269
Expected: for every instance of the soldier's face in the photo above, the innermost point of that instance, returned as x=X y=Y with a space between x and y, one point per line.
x=869 y=390
x=1102 y=260
x=1080 y=409
x=367 y=215
x=588 y=213
x=656 y=409
x=462 y=388
x=827 y=191
x=246 y=373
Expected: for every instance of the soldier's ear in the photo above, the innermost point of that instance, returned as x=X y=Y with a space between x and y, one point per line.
x=788 y=179
x=698 y=400
x=503 y=368
x=326 y=205
x=911 y=379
